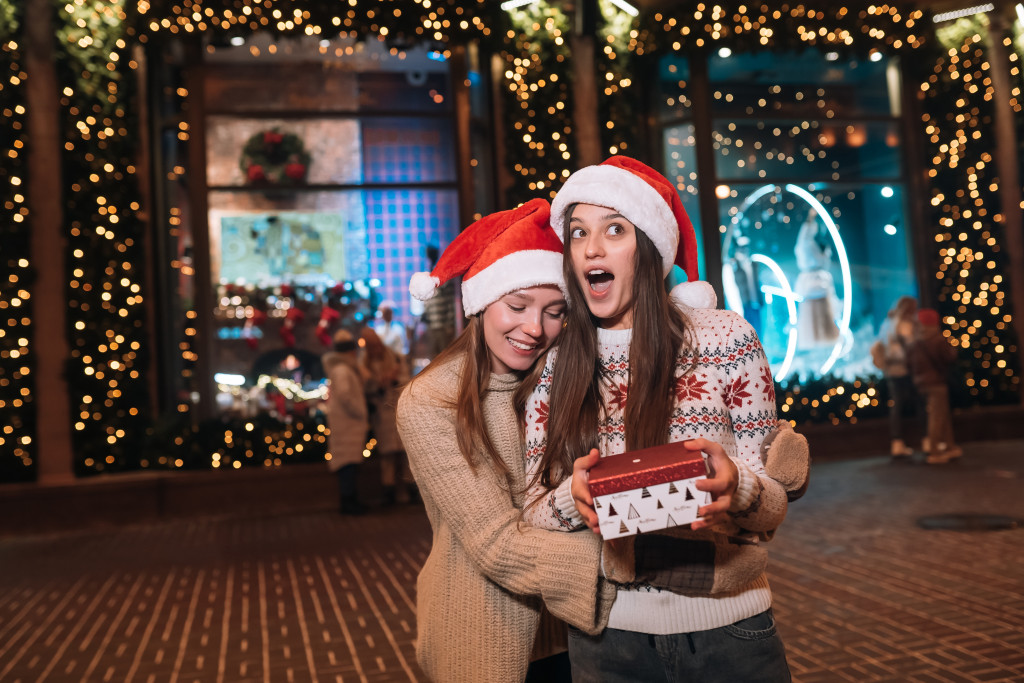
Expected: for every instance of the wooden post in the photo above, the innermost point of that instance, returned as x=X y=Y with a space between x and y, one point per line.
x=584 y=87
x=49 y=243
x=1009 y=180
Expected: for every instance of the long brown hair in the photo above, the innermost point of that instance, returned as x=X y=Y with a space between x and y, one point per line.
x=660 y=330
x=471 y=349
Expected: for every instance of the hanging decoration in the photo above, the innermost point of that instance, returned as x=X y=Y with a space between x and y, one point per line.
x=292 y=318
x=328 y=318
x=254 y=320
x=271 y=157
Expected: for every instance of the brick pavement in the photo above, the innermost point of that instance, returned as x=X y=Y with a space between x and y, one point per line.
x=862 y=593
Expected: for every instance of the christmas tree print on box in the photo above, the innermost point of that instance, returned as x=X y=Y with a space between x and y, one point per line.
x=647 y=490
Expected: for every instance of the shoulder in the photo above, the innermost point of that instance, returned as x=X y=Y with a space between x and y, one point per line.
x=436 y=385
x=718 y=327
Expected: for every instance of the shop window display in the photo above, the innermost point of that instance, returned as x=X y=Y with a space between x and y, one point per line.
x=321 y=201
x=811 y=207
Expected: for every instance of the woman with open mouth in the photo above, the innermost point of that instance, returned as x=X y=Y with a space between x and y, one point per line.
x=637 y=368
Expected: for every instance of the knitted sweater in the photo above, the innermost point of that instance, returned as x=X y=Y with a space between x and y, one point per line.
x=729 y=398
x=482 y=587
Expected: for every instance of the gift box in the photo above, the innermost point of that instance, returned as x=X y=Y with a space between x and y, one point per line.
x=647 y=489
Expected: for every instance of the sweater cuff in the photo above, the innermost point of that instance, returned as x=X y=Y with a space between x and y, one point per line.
x=747 y=489
x=566 y=505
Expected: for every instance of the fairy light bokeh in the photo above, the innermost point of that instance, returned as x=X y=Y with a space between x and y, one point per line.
x=106 y=290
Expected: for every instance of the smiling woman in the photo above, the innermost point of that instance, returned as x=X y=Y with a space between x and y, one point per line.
x=520 y=326
x=488 y=579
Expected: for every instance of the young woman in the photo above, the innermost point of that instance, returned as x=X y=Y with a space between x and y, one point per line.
x=482 y=588
x=636 y=370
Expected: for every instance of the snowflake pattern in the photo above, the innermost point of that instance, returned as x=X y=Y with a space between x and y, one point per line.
x=689 y=388
x=728 y=398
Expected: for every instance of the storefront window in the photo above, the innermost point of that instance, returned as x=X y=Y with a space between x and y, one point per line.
x=807 y=176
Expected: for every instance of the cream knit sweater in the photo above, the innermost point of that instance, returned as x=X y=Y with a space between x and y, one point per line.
x=480 y=593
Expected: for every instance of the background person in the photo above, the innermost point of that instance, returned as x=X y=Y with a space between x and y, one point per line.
x=889 y=354
x=390 y=331
x=930 y=358
x=384 y=372
x=347 y=418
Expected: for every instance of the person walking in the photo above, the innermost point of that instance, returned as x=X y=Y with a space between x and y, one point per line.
x=889 y=354
x=930 y=358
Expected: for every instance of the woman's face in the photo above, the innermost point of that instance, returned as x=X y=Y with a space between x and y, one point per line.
x=520 y=326
x=603 y=249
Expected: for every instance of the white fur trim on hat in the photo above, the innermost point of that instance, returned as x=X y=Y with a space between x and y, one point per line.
x=627 y=193
x=423 y=286
x=695 y=294
x=518 y=270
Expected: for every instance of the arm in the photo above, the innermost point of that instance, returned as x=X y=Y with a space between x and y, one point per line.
x=542 y=507
x=759 y=502
x=560 y=568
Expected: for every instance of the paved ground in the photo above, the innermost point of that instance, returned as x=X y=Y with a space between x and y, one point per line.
x=862 y=592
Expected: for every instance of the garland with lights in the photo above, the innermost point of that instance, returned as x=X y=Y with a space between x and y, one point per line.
x=107 y=372
x=17 y=414
x=958 y=121
x=271 y=157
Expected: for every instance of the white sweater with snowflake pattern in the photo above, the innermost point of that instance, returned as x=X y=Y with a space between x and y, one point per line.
x=729 y=398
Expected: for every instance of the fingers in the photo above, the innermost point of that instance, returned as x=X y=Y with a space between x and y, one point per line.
x=580 y=488
x=721 y=483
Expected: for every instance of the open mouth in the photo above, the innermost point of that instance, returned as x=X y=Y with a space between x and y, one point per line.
x=599 y=280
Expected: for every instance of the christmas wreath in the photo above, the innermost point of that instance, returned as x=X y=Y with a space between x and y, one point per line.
x=271 y=157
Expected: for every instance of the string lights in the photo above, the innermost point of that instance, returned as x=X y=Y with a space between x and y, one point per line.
x=109 y=371
x=17 y=412
x=958 y=100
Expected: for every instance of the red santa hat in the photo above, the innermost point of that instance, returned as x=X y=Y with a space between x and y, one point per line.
x=650 y=202
x=498 y=254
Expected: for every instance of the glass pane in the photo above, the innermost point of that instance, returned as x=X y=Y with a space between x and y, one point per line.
x=806 y=150
x=401 y=224
x=403 y=150
x=680 y=145
x=815 y=269
x=271 y=152
x=674 y=77
x=806 y=85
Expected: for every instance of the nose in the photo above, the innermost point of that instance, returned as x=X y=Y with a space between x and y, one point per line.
x=594 y=246
x=533 y=325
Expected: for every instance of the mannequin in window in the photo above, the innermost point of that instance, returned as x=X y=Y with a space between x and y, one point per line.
x=816 y=320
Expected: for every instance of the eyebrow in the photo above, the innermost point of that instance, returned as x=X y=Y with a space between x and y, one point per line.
x=603 y=218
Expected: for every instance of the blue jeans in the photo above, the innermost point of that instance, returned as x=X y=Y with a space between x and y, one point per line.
x=749 y=651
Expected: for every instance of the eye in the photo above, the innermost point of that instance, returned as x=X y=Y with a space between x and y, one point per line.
x=556 y=313
x=517 y=309
x=616 y=229
x=576 y=233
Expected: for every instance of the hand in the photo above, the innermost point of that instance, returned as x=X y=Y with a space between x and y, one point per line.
x=580 y=488
x=721 y=483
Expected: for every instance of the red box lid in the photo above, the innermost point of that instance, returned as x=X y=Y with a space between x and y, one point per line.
x=645 y=467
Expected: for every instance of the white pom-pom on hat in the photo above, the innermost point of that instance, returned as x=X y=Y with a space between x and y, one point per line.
x=423 y=286
x=496 y=255
x=695 y=294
